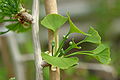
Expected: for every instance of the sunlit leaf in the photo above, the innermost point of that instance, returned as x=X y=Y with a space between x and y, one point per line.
x=60 y=62
x=53 y=21
x=94 y=38
x=75 y=29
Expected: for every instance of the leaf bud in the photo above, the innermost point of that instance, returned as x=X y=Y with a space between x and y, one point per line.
x=70 y=43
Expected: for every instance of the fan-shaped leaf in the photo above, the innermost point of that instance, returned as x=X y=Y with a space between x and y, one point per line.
x=94 y=38
x=60 y=62
x=53 y=21
x=74 y=29
x=101 y=53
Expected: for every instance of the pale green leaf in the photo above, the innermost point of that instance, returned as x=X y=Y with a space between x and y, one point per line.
x=94 y=38
x=101 y=53
x=53 y=21
x=74 y=28
x=60 y=62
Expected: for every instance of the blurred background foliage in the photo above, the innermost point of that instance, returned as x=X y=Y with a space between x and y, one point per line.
x=103 y=15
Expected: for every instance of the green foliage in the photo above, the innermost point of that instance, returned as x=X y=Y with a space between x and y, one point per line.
x=94 y=38
x=70 y=71
x=60 y=62
x=9 y=7
x=12 y=9
x=17 y=27
x=101 y=53
x=73 y=28
x=53 y=21
x=60 y=58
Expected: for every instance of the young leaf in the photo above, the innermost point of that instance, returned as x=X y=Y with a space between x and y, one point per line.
x=17 y=27
x=101 y=53
x=53 y=21
x=103 y=56
x=94 y=38
x=74 y=29
x=60 y=62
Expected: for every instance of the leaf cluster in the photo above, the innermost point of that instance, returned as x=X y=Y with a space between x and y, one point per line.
x=60 y=58
x=11 y=9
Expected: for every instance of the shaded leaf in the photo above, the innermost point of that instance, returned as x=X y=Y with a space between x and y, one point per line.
x=53 y=21
x=60 y=62
x=17 y=27
x=94 y=38
x=74 y=29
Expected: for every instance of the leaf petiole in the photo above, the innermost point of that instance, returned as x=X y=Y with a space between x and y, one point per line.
x=61 y=45
x=80 y=52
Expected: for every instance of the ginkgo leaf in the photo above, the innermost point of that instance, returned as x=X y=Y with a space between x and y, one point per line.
x=75 y=29
x=53 y=21
x=103 y=56
x=60 y=62
x=101 y=53
x=94 y=38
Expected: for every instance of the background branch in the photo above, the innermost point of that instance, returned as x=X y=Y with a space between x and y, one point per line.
x=36 y=40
